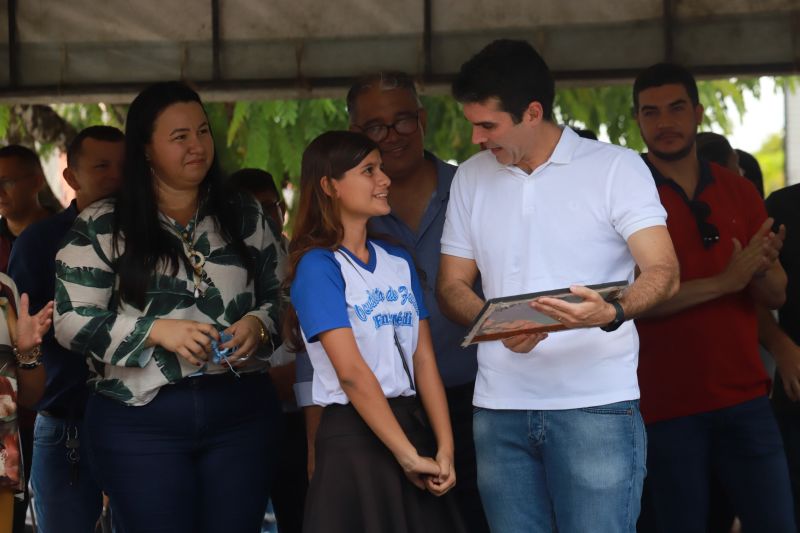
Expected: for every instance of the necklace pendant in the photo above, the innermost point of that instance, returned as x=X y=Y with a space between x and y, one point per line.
x=196 y=292
x=197 y=259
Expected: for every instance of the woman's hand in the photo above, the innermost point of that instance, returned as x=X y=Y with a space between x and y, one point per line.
x=187 y=338
x=246 y=336
x=446 y=480
x=417 y=469
x=31 y=329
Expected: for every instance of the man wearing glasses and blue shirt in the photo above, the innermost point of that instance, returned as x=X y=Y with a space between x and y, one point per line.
x=703 y=386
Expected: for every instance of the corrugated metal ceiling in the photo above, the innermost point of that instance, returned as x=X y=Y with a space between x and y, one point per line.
x=93 y=49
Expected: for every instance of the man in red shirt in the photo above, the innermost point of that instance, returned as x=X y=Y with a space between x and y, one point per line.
x=704 y=389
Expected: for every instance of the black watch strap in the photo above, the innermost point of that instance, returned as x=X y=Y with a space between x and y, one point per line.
x=619 y=318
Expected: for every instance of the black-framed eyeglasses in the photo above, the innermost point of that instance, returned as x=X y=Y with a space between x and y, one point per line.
x=402 y=126
x=708 y=231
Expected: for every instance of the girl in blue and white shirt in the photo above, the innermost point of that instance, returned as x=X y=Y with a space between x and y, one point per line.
x=361 y=316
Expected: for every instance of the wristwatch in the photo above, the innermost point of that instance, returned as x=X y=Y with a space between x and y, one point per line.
x=28 y=360
x=619 y=318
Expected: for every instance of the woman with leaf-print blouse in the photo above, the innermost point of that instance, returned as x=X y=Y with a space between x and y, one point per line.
x=145 y=282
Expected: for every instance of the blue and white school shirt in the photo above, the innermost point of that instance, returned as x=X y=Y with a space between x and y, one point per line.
x=377 y=300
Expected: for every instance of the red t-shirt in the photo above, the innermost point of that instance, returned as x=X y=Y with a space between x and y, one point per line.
x=705 y=357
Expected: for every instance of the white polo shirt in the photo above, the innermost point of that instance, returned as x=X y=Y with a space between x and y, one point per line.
x=565 y=223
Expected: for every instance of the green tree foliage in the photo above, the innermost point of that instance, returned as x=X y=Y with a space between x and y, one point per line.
x=84 y=115
x=5 y=117
x=610 y=108
x=771 y=157
x=272 y=134
x=449 y=135
x=50 y=128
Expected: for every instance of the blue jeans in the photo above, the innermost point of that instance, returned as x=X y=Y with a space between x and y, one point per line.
x=743 y=446
x=62 y=507
x=199 y=458
x=570 y=471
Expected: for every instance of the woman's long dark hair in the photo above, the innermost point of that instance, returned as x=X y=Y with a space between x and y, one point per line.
x=136 y=219
x=318 y=222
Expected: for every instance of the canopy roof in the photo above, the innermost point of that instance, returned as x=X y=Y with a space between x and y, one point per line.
x=235 y=49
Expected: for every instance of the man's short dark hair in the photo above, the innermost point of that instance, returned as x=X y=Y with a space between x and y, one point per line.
x=27 y=156
x=98 y=133
x=511 y=71
x=385 y=81
x=665 y=74
x=254 y=181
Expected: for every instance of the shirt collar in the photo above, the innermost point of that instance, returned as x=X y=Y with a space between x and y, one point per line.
x=706 y=177
x=444 y=176
x=566 y=147
x=562 y=153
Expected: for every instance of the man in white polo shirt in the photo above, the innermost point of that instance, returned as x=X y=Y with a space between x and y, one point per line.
x=559 y=439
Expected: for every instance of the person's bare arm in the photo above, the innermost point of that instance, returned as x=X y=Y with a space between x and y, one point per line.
x=658 y=280
x=460 y=304
x=769 y=289
x=768 y=286
x=431 y=393
x=312 y=415
x=785 y=352
x=29 y=331
x=365 y=393
x=744 y=264
x=457 y=300
x=31 y=386
x=659 y=272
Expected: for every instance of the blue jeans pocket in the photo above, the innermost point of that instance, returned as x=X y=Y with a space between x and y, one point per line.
x=48 y=431
x=619 y=408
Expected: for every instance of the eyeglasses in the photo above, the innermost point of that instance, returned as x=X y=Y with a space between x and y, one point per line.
x=404 y=126
x=708 y=231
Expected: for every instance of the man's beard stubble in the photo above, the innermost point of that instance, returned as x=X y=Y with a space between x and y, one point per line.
x=677 y=155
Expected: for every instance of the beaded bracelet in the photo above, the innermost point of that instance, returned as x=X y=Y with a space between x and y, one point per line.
x=27 y=361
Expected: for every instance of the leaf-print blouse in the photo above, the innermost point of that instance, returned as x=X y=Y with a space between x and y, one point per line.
x=90 y=318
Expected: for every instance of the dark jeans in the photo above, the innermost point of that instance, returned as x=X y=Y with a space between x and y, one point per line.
x=291 y=480
x=459 y=401
x=63 y=503
x=742 y=445
x=200 y=457
x=787 y=413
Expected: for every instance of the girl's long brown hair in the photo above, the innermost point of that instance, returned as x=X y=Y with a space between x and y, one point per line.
x=318 y=224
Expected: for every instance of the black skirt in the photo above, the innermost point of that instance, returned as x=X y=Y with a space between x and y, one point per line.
x=358 y=486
